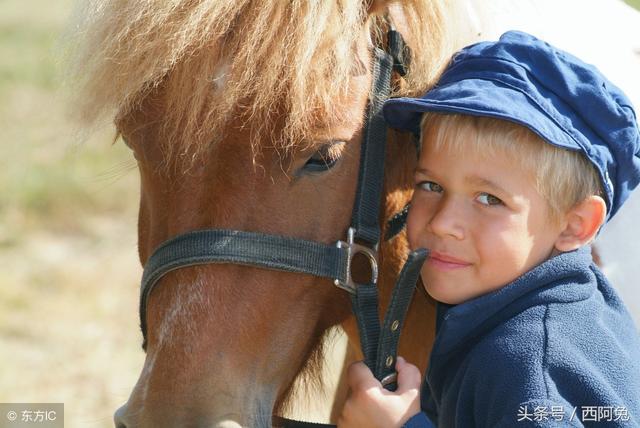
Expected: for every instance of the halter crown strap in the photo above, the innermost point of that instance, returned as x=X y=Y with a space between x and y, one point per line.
x=365 y=218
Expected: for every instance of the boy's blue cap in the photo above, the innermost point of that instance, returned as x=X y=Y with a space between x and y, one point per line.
x=566 y=102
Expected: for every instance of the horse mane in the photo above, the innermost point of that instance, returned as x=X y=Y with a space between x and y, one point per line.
x=223 y=60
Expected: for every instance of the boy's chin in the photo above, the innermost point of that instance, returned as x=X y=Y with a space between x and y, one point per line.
x=554 y=252
x=443 y=297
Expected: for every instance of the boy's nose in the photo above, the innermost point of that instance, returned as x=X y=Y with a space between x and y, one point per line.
x=447 y=220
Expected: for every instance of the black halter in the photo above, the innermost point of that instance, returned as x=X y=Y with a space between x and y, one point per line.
x=379 y=345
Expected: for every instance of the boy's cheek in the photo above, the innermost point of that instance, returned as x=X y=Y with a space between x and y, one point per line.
x=410 y=236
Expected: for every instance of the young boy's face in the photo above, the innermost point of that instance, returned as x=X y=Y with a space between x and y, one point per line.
x=482 y=219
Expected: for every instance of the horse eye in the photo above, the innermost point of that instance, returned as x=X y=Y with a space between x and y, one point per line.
x=325 y=158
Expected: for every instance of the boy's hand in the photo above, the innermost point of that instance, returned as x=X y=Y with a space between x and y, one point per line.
x=370 y=405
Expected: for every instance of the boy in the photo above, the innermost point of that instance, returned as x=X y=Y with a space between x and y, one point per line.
x=526 y=152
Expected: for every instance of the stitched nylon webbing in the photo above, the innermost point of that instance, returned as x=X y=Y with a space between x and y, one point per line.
x=279 y=422
x=366 y=210
x=396 y=314
x=245 y=248
x=365 y=309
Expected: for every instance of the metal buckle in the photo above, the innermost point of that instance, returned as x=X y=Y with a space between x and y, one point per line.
x=352 y=250
x=389 y=379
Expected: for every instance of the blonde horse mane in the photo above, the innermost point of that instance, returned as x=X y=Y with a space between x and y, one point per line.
x=223 y=60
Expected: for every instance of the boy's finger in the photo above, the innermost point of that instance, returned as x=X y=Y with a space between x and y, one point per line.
x=409 y=376
x=360 y=377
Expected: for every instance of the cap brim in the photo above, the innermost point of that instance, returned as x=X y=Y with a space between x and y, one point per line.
x=479 y=97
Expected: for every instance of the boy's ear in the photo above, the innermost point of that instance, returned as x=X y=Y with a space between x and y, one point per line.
x=582 y=224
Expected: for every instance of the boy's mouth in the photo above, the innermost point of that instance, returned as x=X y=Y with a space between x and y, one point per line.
x=446 y=262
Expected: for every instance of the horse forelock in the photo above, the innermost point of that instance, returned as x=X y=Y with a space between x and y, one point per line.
x=218 y=62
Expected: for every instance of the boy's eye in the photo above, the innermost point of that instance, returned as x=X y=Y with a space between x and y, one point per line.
x=430 y=186
x=488 y=199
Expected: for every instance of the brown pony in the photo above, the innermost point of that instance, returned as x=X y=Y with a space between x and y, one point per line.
x=247 y=115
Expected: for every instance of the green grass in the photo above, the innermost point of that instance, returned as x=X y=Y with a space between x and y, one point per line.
x=51 y=182
x=28 y=34
x=68 y=283
x=633 y=3
x=28 y=51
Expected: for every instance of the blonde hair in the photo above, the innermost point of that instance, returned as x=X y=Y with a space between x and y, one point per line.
x=563 y=177
x=269 y=57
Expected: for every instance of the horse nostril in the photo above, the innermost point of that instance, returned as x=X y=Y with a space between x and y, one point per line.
x=118 y=417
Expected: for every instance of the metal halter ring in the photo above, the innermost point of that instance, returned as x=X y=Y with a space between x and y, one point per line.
x=353 y=249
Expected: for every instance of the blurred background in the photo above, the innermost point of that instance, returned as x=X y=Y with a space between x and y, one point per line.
x=68 y=263
x=69 y=270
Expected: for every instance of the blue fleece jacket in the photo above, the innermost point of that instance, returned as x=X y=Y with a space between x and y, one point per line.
x=556 y=347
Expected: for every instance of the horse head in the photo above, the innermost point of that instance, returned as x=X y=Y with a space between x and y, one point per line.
x=248 y=115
